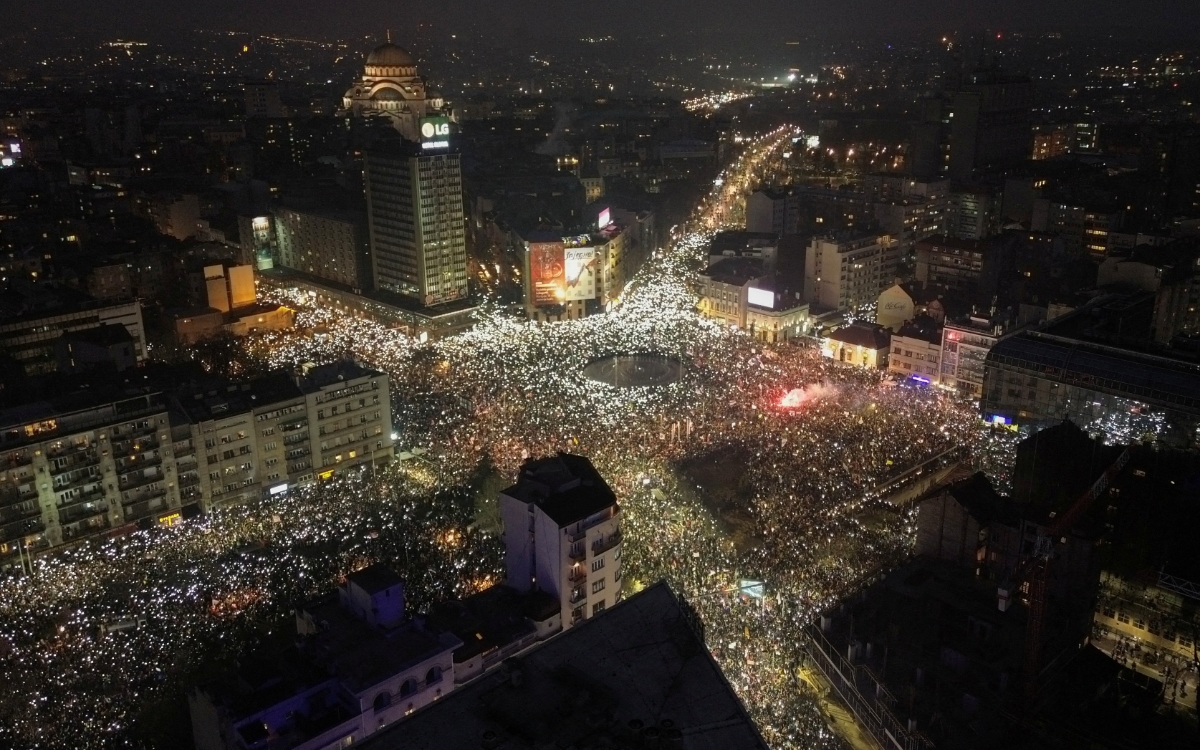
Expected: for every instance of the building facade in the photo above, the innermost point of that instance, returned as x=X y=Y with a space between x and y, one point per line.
x=416 y=226
x=950 y=263
x=917 y=352
x=965 y=347
x=71 y=473
x=31 y=338
x=846 y=273
x=329 y=245
x=562 y=535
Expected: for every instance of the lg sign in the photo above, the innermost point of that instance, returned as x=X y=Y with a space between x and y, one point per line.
x=435 y=129
x=435 y=132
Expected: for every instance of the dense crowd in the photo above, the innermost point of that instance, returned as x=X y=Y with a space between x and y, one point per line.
x=812 y=442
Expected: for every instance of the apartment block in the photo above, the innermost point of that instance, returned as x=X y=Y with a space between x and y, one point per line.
x=81 y=466
x=845 y=272
x=93 y=463
x=349 y=411
x=562 y=535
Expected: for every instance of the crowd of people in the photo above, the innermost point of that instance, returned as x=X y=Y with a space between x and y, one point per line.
x=810 y=472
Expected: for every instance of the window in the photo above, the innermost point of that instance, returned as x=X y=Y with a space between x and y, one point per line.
x=597 y=564
x=598 y=586
x=382 y=701
x=597 y=608
x=408 y=687
x=434 y=675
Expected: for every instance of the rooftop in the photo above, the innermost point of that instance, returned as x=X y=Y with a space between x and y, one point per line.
x=736 y=270
x=634 y=674
x=493 y=618
x=105 y=334
x=323 y=376
x=218 y=400
x=361 y=655
x=566 y=487
x=866 y=335
x=375 y=578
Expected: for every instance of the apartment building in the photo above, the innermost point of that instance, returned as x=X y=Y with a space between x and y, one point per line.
x=81 y=466
x=846 y=272
x=349 y=411
x=31 y=337
x=562 y=535
x=917 y=350
x=95 y=462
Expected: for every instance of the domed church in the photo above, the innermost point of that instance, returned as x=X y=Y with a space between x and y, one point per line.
x=391 y=87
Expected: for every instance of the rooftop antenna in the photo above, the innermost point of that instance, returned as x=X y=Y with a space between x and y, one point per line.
x=389 y=36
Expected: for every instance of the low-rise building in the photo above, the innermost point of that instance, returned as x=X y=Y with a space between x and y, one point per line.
x=1094 y=362
x=862 y=344
x=360 y=664
x=31 y=337
x=725 y=288
x=638 y=675
x=917 y=351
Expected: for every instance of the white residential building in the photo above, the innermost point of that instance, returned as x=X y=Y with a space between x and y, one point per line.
x=562 y=535
x=846 y=273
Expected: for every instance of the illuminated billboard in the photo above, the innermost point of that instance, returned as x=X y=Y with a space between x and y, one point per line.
x=547 y=273
x=435 y=132
x=760 y=297
x=605 y=219
x=579 y=265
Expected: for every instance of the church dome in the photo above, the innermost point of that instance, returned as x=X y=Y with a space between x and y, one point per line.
x=390 y=56
x=387 y=94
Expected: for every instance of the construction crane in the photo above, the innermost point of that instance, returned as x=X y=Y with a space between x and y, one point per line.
x=1035 y=570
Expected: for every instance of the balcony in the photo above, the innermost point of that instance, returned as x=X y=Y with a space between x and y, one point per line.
x=22 y=512
x=145 y=506
x=577 y=553
x=69 y=449
x=578 y=595
x=604 y=545
x=78 y=459
x=16 y=529
x=95 y=493
x=82 y=513
x=77 y=478
x=189 y=480
x=135 y=445
x=138 y=480
x=137 y=461
x=577 y=575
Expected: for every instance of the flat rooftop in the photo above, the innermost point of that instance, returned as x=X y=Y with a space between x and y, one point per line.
x=636 y=673
x=566 y=487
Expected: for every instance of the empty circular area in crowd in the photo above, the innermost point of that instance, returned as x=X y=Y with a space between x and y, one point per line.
x=644 y=370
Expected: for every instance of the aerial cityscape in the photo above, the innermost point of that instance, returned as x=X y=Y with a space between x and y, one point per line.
x=693 y=377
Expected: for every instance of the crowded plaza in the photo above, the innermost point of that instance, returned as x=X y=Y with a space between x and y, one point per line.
x=760 y=463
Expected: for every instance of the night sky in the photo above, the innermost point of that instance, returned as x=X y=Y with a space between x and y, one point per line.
x=1178 y=18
